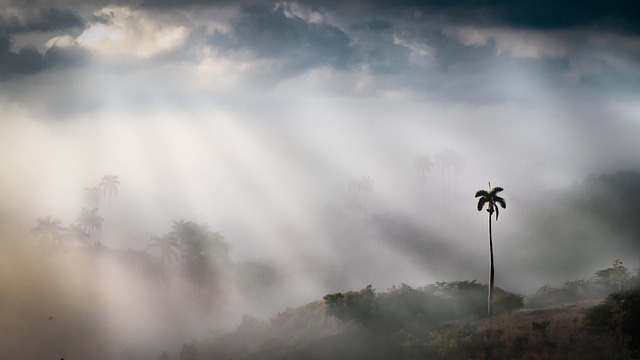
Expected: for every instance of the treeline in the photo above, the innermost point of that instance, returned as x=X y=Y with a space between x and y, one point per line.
x=355 y=324
x=606 y=281
x=407 y=308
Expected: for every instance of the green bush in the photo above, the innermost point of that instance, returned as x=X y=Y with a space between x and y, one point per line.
x=414 y=310
x=619 y=314
x=506 y=302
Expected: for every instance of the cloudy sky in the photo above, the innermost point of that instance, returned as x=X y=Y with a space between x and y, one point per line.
x=223 y=111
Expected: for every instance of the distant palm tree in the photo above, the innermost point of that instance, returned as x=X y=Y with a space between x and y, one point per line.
x=457 y=163
x=492 y=199
x=449 y=161
x=75 y=232
x=48 y=228
x=110 y=185
x=90 y=220
x=181 y=231
x=423 y=164
x=363 y=186
x=92 y=196
x=168 y=247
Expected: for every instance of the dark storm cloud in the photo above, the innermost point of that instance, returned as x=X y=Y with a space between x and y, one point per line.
x=24 y=20
x=618 y=15
x=372 y=25
x=615 y=15
x=29 y=60
x=269 y=33
x=610 y=79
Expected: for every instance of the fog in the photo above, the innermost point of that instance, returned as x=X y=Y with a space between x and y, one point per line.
x=258 y=122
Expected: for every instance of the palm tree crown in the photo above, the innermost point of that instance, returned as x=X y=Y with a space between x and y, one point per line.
x=48 y=228
x=90 y=220
x=448 y=161
x=109 y=186
x=491 y=198
x=363 y=185
x=423 y=164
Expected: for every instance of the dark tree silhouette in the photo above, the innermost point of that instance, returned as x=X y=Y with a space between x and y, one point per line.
x=422 y=164
x=89 y=220
x=618 y=275
x=204 y=256
x=492 y=200
x=92 y=196
x=110 y=187
x=196 y=241
x=49 y=229
x=168 y=247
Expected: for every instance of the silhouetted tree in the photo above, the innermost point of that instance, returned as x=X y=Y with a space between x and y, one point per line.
x=617 y=275
x=75 y=232
x=204 y=255
x=452 y=165
x=422 y=164
x=109 y=186
x=492 y=200
x=48 y=228
x=168 y=247
x=92 y=196
x=90 y=220
x=363 y=186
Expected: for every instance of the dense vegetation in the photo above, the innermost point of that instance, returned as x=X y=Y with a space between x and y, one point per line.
x=619 y=314
x=605 y=282
x=440 y=321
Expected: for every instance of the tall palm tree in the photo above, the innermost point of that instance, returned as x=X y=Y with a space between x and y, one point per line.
x=89 y=220
x=422 y=164
x=492 y=200
x=109 y=186
x=168 y=247
x=92 y=196
x=48 y=228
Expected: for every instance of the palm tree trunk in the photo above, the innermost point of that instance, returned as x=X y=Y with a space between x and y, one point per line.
x=491 y=271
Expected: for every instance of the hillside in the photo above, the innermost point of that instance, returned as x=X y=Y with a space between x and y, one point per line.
x=316 y=331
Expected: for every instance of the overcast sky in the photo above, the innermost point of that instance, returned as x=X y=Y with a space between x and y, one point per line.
x=222 y=111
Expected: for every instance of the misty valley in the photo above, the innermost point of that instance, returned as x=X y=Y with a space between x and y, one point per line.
x=315 y=179
x=67 y=293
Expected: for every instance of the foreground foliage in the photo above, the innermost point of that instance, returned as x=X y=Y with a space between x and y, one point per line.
x=619 y=315
x=445 y=320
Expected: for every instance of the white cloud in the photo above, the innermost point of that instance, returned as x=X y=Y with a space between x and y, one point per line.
x=61 y=41
x=421 y=54
x=132 y=33
x=294 y=9
x=517 y=43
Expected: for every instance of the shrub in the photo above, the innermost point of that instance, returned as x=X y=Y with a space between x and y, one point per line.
x=619 y=314
x=506 y=302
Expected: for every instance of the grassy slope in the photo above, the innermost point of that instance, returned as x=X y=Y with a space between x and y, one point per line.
x=554 y=332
